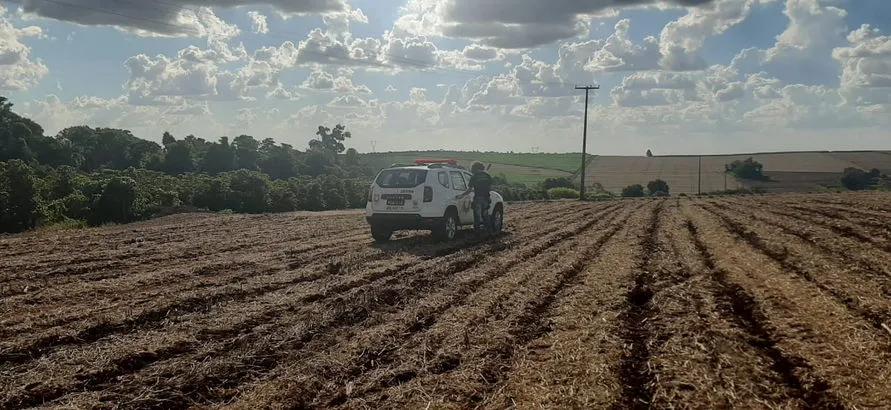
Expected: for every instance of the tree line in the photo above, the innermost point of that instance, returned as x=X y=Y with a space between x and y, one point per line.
x=89 y=149
x=93 y=176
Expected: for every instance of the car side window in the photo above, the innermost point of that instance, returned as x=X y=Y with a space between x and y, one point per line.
x=443 y=178
x=458 y=181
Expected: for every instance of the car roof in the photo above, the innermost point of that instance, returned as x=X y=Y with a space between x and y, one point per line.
x=425 y=167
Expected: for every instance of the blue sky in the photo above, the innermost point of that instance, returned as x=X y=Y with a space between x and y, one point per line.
x=731 y=75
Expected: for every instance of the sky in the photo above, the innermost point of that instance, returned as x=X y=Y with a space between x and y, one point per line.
x=675 y=76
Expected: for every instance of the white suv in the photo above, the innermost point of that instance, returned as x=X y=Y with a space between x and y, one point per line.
x=423 y=196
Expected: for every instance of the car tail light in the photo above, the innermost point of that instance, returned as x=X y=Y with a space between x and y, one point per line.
x=370 y=193
x=428 y=194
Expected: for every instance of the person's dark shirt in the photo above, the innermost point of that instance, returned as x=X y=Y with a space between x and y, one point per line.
x=481 y=183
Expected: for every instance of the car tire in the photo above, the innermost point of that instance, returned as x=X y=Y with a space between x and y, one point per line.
x=448 y=227
x=381 y=234
x=497 y=219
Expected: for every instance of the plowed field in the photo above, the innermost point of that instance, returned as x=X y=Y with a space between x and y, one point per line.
x=752 y=302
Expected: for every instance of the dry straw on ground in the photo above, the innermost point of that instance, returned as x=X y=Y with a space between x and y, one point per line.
x=755 y=302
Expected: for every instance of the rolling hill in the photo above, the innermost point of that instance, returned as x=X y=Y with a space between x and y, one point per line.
x=525 y=168
x=787 y=171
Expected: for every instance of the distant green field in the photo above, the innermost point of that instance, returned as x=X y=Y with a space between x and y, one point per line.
x=558 y=162
x=796 y=171
x=525 y=168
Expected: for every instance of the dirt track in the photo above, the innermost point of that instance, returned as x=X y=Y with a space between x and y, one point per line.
x=755 y=302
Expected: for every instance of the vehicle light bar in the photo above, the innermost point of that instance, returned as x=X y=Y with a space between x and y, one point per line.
x=451 y=161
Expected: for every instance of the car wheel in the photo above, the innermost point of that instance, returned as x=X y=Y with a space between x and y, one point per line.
x=381 y=234
x=448 y=228
x=497 y=219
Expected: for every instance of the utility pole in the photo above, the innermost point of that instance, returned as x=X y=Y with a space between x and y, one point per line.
x=585 y=139
x=700 y=176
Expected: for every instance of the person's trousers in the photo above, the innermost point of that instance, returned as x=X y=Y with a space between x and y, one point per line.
x=481 y=213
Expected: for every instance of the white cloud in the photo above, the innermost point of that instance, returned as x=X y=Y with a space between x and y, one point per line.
x=338 y=82
x=280 y=92
x=618 y=53
x=661 y=91
x=258 y=22
x=866 y=68
x=54 y=115
x=681 y=39
x=478 y=52
x=804 y=47
x=522 y=23
x=339 y=21
x=169 y=18
x=19 y=70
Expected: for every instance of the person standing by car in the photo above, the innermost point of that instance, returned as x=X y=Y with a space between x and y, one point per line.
x=480 y=183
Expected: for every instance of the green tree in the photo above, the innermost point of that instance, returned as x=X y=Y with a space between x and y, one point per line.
x=144 y=153
x=249 y=191
x=633 y=191
x=167 y=139
x=330 y=140
x=19 y=207
x=178 y=158
x=65 y=182
x=282 y=196
x=317 y=163
x=219 y=158
x=247 y=155
x=657 y=187
x=351 y=158
x=857 y=179
x=312 y=199
x=210 y=193
x=748 y=169
x=558 y=182
x=333 y=193
x=277 y=161
x=116 y=202
x=15 y=134
x=14 y=144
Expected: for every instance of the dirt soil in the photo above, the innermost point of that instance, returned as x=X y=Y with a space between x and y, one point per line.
x=778 y=301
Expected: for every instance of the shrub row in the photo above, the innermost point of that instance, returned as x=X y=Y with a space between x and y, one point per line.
x=39 y=196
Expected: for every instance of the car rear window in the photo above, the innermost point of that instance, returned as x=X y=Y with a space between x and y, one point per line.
x=401 y=178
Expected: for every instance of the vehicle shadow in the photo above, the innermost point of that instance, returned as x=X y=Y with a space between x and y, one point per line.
x=422 y=243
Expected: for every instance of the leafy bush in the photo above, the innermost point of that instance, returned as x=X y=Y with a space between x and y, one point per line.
x=559 y=182
x=748 y=169
x=857 y=179
x=116 y=202
x=19 y=202
x=63 y=225
x=658 y=187
x=633 y=191
x=563 y=193
x=249 y=191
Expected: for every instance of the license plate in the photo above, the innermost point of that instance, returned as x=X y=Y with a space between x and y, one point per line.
x=396 y=201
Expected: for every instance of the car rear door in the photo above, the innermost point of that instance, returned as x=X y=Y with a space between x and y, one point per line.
x=398 y=190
